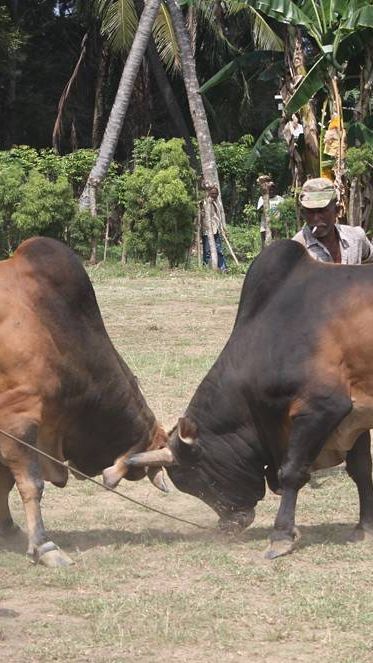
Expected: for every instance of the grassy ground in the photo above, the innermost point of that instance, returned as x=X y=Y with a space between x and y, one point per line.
x=145 y=588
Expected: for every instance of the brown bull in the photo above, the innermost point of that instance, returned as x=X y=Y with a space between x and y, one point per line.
x=63 y=387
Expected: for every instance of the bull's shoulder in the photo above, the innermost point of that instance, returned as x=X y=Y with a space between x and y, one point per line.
x=268 y=273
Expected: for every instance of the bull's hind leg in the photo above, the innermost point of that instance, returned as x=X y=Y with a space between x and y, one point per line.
x=311 y=426
x=359 y=467
x=26 y=469
x=7 y=526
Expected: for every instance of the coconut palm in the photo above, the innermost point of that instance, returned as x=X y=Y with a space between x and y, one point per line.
x=122 y=99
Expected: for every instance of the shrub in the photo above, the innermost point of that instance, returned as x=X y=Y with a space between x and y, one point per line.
x=139 y=229
x=158 y=202
x=245 y=241
x=12 y=180
x=46 y=208
x=359 y=160
x=23 y=156
x=284 y=219
x=173 y=213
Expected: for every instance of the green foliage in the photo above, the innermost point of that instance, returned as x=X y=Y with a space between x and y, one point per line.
x=232 y=158
x=250 y=214
x=245 y=241
x=12 y=180
x=46 y=207
x=359 y=160
x=273 y=160
x=22 y=155
x=83 y=228
x=284 y=219
x=174 y=211
x=139 y=230
x=50 y=164
x=76 y=166
x=143 y=152
x=158 y=201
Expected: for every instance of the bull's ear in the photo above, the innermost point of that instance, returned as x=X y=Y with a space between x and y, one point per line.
x=187 y=431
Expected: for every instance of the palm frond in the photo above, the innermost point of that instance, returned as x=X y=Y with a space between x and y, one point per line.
x=118 y=22
x=264 y=37
x=165 y=40
x=206 y=10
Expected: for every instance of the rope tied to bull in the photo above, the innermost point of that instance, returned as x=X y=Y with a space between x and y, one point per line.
x=97 y=483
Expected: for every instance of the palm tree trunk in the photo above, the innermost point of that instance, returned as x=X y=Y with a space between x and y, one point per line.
x=122 y=99
x=166 y=91
x=197 y=110
x=170 y=100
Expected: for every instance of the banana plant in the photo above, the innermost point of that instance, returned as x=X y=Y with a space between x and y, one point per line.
x=331 y=24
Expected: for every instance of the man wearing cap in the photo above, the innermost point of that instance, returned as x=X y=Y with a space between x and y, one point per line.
x=323 y=237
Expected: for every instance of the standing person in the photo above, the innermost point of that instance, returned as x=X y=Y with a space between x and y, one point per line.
x=211 y=210
x=324 y=238
x=274 y=200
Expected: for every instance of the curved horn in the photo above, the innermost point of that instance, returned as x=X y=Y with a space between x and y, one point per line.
x=156 y=458
x=157 y=476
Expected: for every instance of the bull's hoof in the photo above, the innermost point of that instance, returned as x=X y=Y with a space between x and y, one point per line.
x=51 y=556
x=8 y=528
x=237 y=522
x=360 y=533
x=280 y=547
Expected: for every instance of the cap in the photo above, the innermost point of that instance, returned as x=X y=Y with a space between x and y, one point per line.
x=318 y=192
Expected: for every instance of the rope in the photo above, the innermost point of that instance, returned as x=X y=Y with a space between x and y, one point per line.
x=111 y=490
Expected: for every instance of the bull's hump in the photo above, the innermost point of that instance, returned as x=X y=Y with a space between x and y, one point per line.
x=56 y=272
x=268 y=273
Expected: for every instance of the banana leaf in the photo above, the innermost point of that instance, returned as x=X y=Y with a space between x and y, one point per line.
x=270 y=133
x=285 y=11
x=307 y=88
x=243 y=62
x=362 y=18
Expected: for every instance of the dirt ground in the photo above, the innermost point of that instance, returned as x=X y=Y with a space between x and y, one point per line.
x=146 y=588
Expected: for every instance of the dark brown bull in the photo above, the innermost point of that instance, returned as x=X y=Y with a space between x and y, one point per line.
x=63 y=387
x=291 y=392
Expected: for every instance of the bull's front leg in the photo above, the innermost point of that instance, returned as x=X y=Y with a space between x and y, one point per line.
x=311 y=425
x=26 y=470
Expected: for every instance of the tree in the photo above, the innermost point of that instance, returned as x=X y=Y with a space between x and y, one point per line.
x=197 y=110
x=118 y=112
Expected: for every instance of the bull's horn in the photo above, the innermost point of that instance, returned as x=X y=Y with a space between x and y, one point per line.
x=157 y=477
x=155 y=458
